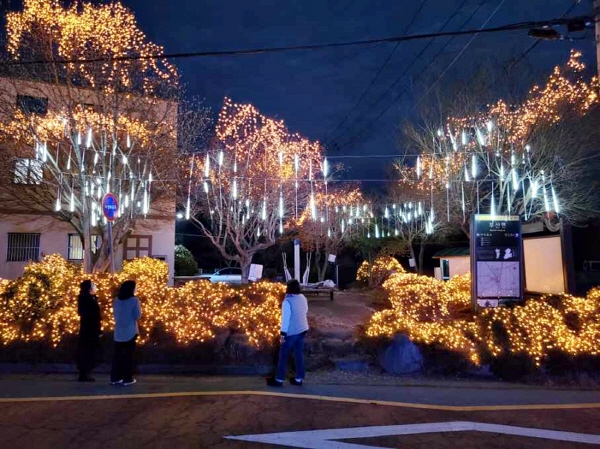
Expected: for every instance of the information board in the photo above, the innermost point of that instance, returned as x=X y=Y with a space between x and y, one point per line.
x=496 y=260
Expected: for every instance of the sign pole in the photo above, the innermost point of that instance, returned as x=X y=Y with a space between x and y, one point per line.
x=110 y=208
x=110 y=248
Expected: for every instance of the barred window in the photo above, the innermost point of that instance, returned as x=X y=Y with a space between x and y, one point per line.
x=28 y=171
x=23 y=247
x=32 y=105
x=75 y=248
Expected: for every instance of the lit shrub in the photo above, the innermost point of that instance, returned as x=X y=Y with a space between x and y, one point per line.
x=377 y=273
x=426 y=310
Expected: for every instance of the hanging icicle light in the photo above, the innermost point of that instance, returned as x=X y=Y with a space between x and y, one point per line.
x=57 y=205
x=502 y=174
x=376 y=231
x=453 y=140
x=88 y=139
x=221 y=158
x=128 y=141
x=206 y=187
x=343 y=225
x=474 y=166
x=124 y=160
x=281 y=205
x=187 y=206
x=234 y=190
x=96 y=157
x=555 y=199
x=418 y=167
x=264 y=209
x=207 y=167
x=325 y=168
x=78 y=138
x=464 y=138
x=515 y=179
x=467 y=177
x=490 y=126
x=69 y=162
x=146 y=201
x=480 y=137
x=386 y=213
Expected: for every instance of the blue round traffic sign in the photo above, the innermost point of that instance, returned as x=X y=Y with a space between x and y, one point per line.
x=110 y=207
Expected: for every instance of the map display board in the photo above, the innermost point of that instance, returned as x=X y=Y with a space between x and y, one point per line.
x=496 y=260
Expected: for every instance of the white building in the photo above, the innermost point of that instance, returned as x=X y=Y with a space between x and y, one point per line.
x=27 y=236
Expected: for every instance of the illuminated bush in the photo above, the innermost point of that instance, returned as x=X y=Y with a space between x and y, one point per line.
x=425 y=309
x=41 y=305
x=382 y=268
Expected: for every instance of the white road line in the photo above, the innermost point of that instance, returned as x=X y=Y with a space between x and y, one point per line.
x=326 y=439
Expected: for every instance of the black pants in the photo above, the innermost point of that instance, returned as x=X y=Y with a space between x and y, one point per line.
x=87 y=354
x=122 y=366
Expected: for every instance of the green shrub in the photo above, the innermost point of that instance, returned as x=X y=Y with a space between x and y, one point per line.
x=185 y=264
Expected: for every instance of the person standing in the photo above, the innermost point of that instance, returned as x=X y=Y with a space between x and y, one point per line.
x=127 y=312
x=89 y=330
x=294 y=326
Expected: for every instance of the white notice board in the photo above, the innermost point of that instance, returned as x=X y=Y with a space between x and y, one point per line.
x=544 y=271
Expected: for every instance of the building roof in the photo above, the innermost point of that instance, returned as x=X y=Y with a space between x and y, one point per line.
x=452 y=252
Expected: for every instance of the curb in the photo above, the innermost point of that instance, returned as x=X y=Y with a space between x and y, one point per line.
x=62 y=368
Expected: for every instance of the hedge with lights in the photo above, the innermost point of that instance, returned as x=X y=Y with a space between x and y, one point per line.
x=432 y=312
x=379 y=271
x=41 y=305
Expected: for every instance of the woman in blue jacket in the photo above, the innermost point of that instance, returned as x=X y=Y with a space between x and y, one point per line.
x=127 y=312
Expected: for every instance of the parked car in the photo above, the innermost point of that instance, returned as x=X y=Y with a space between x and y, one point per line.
x=225 y=275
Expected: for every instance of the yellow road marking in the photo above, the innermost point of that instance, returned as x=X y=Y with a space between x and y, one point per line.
x=450 y=408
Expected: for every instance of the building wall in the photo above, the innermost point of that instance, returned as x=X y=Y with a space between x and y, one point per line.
x=54 y=239
x=459 y=265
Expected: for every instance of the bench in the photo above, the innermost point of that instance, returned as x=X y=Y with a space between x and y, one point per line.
x=316 y=291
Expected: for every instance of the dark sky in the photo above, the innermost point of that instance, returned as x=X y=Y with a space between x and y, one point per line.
x=314 y=90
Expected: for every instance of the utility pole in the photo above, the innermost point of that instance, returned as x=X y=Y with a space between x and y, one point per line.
x=597 y=20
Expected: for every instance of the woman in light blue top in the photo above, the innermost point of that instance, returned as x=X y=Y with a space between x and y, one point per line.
x=127 y=312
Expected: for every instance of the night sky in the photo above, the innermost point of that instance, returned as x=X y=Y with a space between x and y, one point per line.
x=313 y=91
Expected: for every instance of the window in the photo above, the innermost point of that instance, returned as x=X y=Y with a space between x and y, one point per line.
x=23 y=247
x=75 y=249
x=32 y=105
x=28 y=171
x=137 y=246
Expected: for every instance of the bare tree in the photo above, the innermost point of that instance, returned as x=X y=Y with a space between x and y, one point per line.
x=535 y=158
x=73 y=131
x=253 y=180
x=342 y=220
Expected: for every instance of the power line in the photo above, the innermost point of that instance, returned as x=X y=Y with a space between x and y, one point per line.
x=467 y=45
x=509 y=27
x=416 y=58
x=378 y=74
x=401 y=94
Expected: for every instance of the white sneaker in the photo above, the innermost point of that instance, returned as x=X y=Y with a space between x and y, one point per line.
x=118 y=382
x=131 y=382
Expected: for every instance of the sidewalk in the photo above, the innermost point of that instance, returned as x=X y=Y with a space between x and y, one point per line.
x=449 y=393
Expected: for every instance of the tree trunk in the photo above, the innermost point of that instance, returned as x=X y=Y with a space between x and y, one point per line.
x=421 y=257
x=323 y=269
x=245 y=262
x=413 y=256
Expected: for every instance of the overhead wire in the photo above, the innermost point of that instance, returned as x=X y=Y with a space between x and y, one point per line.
x=263 y=50
x=405 y=90
x=379 y=72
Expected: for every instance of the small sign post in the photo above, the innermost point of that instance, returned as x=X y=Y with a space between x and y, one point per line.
x=110 y=209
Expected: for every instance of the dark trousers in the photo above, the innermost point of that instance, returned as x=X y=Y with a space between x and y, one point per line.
x=122 y=366
x=295 y=344
x=87 y=354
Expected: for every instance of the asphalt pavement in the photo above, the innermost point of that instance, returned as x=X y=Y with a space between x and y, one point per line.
x=54 y=411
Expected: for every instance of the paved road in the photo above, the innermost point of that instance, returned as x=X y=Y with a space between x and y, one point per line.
x=185 y=412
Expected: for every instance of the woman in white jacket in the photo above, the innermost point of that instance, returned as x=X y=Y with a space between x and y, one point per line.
x=294 y=326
